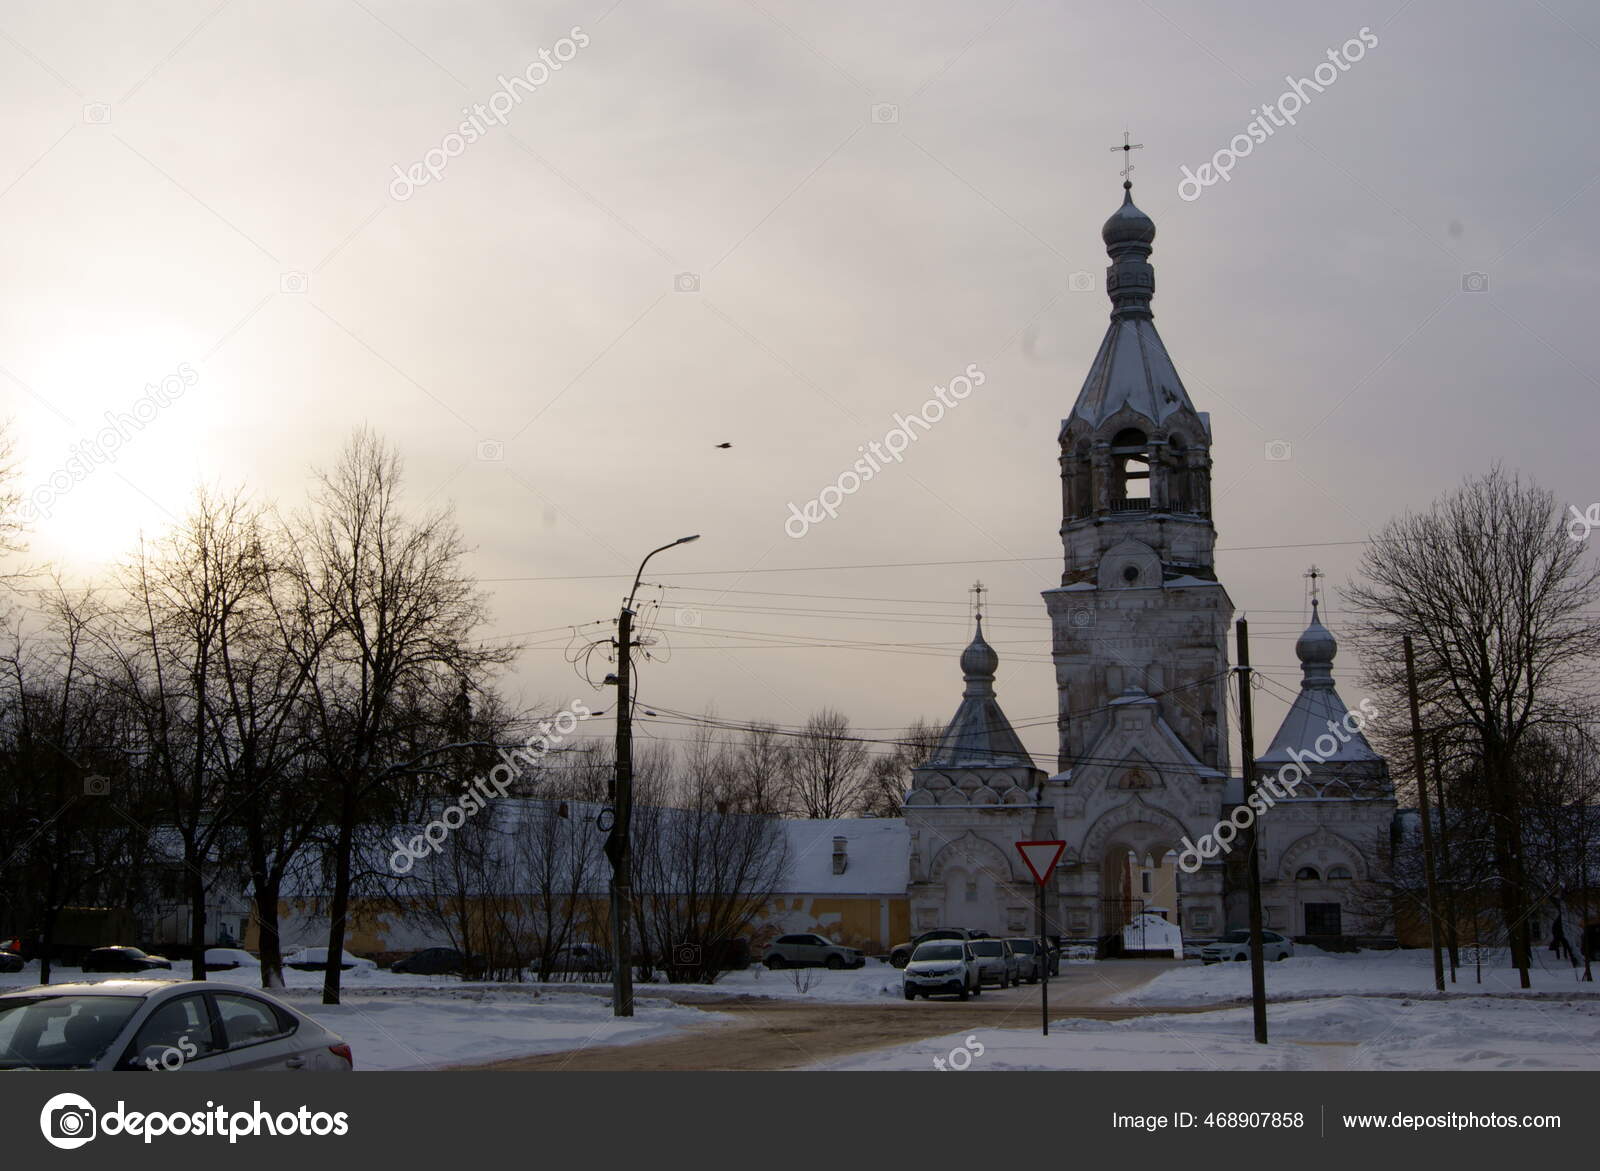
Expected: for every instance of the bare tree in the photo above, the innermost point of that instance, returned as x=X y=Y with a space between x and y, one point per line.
x=188 y=598
x=1494 y=594
x=401 y=611
x=703 y=872
x=889 y=773
x=830 y=767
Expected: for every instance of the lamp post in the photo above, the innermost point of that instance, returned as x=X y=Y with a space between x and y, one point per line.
x=619 y=850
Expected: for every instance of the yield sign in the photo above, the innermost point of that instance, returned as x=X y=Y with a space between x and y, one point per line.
x=1041 y=858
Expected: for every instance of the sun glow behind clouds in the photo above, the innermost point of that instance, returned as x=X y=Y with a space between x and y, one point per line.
x=111 y=441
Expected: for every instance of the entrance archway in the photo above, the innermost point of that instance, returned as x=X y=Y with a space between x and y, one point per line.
x=1139 y=874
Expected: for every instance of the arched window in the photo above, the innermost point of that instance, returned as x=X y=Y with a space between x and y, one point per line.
x=1130 y=463
x=1307 y=874
x=1339 y=873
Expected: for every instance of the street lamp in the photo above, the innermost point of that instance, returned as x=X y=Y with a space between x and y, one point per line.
x=618 y=847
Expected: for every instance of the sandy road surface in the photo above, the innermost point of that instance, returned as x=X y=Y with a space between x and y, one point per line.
x=786 y=1034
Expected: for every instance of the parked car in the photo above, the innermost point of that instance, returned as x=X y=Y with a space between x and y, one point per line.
x=942 y=967
x=1235 y=945
x=167 y=1025
x=900 y=953
x=225 y=959
x=997 y=964
x=581 y=959
x=123 y=959
x=812 y=951
x=10 y=961
x=1034 y=959
x=438 y=961
x=315 y=959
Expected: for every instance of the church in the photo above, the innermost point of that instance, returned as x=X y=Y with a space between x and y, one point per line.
x=1140 y=628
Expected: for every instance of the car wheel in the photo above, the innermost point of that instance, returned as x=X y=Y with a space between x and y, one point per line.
x=835 y=963
x=1282 y=955
x=1241 y=957
x=964 y=994
x=910 y=994
x=774 y=963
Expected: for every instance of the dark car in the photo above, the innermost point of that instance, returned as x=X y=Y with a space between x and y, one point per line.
x=10 y=961
x=438 y=961
x=900 y=954
x=123 y=959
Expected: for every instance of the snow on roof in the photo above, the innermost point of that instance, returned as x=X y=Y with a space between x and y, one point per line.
x=1131 y=370
x=877 y=856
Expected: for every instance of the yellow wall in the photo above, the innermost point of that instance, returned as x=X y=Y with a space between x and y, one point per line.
x=856 y=921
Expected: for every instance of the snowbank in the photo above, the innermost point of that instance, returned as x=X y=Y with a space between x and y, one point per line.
x=1316 y=973
x=1340 y=1033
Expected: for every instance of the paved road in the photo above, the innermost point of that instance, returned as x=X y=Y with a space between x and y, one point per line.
x=785 y=1034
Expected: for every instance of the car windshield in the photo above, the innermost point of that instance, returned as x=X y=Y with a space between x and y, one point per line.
x=937 y=951
x=60 y=1032
x=988 y=947
x=1022 y=946
x=1236 y=937
x=124 y=951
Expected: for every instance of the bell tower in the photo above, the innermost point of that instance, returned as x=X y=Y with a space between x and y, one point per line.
x=1139 y=608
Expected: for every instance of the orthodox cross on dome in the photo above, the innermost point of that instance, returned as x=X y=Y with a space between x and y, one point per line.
x=1313 y=575
x=1127 y=157
x=977 y=590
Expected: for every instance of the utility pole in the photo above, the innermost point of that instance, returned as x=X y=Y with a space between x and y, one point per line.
x=619 y=842
x=619 y=847
x=1422 y=804
x=1258 y=969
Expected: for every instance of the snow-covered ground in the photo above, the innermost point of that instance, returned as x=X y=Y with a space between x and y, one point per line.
x=425 y=1030
x=1340 y=1033
x=1316 y=973
x=875 y=981
x=420 y=1022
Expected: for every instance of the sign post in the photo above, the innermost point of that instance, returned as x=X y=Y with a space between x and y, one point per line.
x=1041 y=859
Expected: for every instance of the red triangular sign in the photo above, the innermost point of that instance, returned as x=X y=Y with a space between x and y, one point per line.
x=1041 y=858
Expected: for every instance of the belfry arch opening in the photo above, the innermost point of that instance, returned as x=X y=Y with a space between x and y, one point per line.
x=1130 y=469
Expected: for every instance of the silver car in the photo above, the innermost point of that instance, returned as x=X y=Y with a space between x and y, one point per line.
x=1235 y=946
x=161 y=1025
x=942 y=967
x=812 y=951
x=997 y=963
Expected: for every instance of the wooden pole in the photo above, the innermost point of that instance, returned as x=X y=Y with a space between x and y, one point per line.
x=1258 y=970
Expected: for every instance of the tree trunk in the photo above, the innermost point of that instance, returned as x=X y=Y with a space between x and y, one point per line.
x=269 y=942
x=340 y=905
x=1508 y=862
x=197 y=918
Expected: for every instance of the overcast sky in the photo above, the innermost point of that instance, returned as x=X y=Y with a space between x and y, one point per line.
x=868 y=198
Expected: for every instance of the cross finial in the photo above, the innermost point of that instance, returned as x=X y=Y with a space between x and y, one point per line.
x=1127 y=158
x=977 y=591
x=1313 y=575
